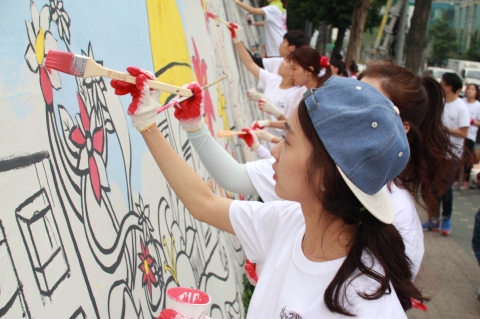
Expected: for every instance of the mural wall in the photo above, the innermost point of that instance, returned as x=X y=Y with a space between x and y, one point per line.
x=88 y=226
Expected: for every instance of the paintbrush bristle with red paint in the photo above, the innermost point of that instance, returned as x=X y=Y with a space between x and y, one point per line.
x=84 y=67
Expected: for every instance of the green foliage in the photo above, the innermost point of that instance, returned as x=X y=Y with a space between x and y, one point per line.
x=248 y=289
x=443 y=37
x=473 y=52
x=337 y=13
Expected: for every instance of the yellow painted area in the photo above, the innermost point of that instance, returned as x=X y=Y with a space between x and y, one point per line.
x=145 y=266
x=168 y=42
x=40 y=46
x=222 y=110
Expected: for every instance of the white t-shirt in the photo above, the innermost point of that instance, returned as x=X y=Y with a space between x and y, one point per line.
x=455 y=116
x=474 y=111
x=406 y=220
x=275 y=28
x=272 y=64
x=291 y=286
x=285 y=100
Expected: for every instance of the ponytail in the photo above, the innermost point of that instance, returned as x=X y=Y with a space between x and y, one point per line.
x=435 y=150
x=421 y=104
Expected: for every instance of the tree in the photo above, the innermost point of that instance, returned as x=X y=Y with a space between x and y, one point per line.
x=336 y=13
x=443 y=37
x=473 y=51
x=359 y=17
x=416 y=35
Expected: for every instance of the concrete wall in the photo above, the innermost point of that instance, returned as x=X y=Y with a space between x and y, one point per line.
x=88 y=226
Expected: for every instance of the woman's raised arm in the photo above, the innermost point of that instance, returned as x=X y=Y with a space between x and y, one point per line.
x=197 y=197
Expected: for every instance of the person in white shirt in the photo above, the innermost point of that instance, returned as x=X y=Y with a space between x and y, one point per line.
x=280 y=95
x=471 y=100
x=275 y=24
x=420 y=101
x=292 y=40
x=338 y=255
x=456 y=119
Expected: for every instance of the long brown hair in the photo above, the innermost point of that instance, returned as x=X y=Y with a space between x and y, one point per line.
x=381 y=241
x=432 y=157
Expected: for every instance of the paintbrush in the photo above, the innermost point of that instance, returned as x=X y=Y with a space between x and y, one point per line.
x=231 y=133
x=171 y=103
x=84 y=67
x=215 y=17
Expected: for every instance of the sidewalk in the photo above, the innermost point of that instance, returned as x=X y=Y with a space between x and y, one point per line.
x=450 y=274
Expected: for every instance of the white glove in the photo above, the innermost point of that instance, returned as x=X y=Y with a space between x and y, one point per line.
x=250 y=138
x=266 y=136
x=260 y=125
x=234 y=32
x=143 y=108
x=267 y=106
x=145 y=116
x=254 y=95
x=190 y=112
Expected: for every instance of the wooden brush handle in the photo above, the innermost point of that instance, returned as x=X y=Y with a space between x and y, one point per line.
x=95 y=69
x=225 y=22
x=231 y=133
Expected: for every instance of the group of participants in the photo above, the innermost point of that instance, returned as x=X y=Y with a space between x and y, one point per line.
x=347 y=161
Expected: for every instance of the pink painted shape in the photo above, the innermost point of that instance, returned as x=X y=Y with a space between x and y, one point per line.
x=200 y=68
x=94 y=177
x=211 y=15
x=83 y=114
x=98 y=141
x=77 y=136
x=46 y=86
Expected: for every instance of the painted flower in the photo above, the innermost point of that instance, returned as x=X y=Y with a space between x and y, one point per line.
x=144 y=219
x=41 y=41
x=146 y=266
x=88 y=136
x=200 y=68
x=96 y=87
x=58 y=14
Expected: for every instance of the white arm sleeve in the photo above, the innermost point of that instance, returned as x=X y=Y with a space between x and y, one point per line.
x=263 y=152
x=223 y=168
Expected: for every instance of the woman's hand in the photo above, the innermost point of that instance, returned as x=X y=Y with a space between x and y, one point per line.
x=260 y=125
x=145 y=101
x=254 y=95
x=250 y=138
x=267 y=106
x=190 y=112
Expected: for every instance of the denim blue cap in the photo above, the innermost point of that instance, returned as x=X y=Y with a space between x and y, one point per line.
x=363 y=133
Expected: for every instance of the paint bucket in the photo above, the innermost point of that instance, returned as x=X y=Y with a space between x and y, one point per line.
x=188 y=302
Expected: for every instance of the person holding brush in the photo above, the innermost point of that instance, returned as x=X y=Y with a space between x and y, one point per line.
x=331 y=241
x=420 y=181
x=275 y=23
x=280 y=95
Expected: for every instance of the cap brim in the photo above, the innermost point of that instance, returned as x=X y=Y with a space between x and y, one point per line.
x=378 y=204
